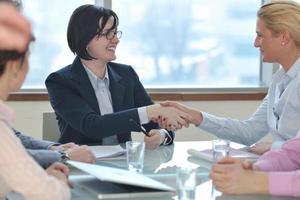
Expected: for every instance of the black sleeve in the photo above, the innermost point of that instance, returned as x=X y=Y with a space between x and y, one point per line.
x=76 y=112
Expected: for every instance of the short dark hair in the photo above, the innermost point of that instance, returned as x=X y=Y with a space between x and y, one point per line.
x=6 y=56
x=84 y=25
x=17 y=3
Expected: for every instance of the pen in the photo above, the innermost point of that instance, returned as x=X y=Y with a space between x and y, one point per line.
x=139 y=127
x=277 y=117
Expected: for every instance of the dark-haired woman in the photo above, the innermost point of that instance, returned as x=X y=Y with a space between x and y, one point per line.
x=96 y=100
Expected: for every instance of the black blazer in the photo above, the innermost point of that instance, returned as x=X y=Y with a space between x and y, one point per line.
x=75 y=104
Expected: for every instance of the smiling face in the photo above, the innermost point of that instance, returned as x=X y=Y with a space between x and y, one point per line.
x=269 y=44
x=102 y=48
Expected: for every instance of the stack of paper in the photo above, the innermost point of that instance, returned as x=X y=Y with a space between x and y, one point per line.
x=236 y=153
x=116 y=175
x=107 y=151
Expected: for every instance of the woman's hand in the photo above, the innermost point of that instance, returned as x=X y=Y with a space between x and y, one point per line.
x=195 y=116
x=230 y=177
x=59 y=171
x=169 y=118
x=261 y=148
x=154 y=139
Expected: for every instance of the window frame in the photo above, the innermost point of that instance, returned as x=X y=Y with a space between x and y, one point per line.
x=210 y=93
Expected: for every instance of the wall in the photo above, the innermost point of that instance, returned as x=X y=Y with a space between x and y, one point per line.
x=29 y=116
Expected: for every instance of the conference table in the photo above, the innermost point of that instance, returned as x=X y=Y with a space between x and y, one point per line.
x=161 y=164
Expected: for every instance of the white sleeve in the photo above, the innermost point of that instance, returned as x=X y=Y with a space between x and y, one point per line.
x=21 y=174
x=142 y=111
x=245 y=132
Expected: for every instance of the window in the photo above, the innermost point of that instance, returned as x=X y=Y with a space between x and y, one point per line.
x=170 y=43
x=50 y=51
x=190 y=43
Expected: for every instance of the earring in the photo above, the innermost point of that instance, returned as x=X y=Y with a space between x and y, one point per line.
x=282 y=43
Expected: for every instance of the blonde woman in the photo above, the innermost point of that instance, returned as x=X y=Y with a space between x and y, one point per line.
x=18 y=171
x=278 y=39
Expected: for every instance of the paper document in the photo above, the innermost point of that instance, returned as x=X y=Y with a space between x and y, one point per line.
x=207 y=154
x=115 y=175
x=92 y=186
x=107 y=151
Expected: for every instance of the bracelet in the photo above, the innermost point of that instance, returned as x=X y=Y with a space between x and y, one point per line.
x=64 y=156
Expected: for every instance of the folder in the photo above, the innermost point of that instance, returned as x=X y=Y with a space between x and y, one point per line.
x=106 y=152
x=207 y=154
x=113 y=183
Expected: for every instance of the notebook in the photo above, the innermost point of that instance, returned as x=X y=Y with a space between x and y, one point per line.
x=112 y=183
x=93 y=187
x=111 y=151
x=207 y=154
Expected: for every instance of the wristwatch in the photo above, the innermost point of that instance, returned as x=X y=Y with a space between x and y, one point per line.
x=64 y=156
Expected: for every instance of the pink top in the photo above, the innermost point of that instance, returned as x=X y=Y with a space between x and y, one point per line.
x=19 y=172
x=284 y=168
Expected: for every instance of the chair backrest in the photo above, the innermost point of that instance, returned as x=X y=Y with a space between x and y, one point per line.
x=50 y=127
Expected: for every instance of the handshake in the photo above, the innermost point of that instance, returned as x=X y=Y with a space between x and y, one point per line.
x=172 y=116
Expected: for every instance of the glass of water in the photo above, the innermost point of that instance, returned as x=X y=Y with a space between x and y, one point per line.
x=220 y=149
x=135 y=156
x=186 y=183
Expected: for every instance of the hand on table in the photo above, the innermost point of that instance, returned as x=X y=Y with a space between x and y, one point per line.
x=81 y=153
x=59 y=171
x=230 y=176
x=261 y=148
x=154 y=140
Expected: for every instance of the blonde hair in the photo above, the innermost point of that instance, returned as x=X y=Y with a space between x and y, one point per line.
x=281 y=16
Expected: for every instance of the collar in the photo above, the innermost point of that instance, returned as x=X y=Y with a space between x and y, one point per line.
x=93 y=76
x=294 y=70
x=291 y=73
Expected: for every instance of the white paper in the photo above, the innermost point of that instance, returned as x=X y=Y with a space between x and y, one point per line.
x=207 y=154
x=107 y=151
x=115 y=175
